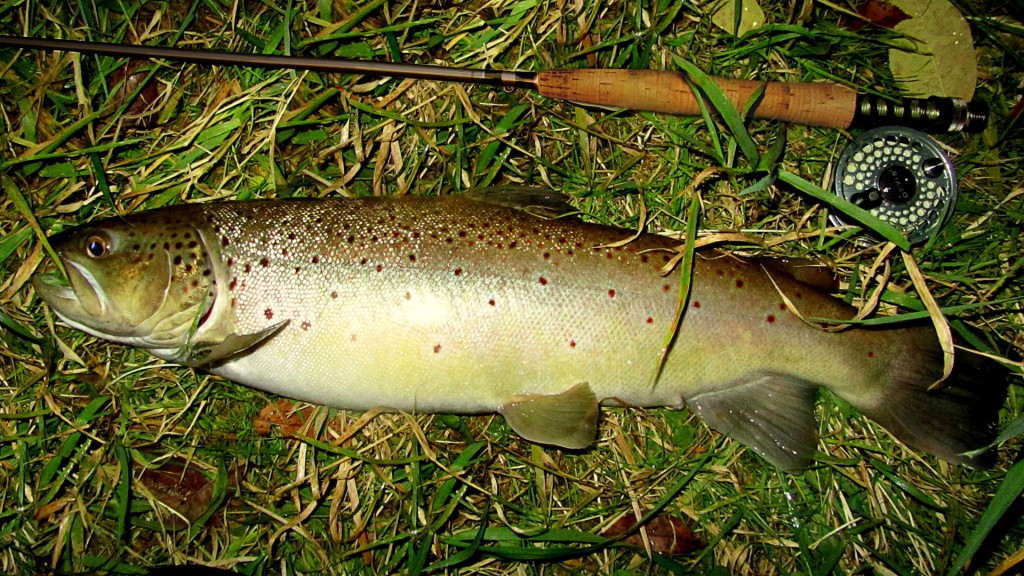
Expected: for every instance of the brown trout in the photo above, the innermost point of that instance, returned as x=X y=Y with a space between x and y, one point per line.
x=474 y=303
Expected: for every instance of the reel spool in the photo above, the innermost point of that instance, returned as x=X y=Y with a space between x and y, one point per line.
x=902 y=177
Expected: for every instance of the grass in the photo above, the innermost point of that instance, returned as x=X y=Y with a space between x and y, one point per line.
x=84 y=424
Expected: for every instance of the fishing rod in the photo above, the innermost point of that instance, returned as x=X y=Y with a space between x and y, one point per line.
x=822 y=104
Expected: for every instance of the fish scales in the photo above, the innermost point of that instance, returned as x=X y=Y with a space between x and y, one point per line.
x=462 y=304
x=429 y=299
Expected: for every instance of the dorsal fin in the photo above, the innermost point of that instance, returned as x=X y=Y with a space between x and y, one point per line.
x=537 y=201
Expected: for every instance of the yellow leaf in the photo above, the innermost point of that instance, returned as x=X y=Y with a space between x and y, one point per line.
x=751 y=16
x=940 y=60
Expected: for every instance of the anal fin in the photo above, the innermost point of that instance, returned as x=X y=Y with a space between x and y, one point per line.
x=771 y=413
x=568 y=420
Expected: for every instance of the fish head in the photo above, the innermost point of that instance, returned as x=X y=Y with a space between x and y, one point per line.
x=143 y=281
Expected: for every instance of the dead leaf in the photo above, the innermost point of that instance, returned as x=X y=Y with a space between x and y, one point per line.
x=668 y=535
x=182 y=488
x=142 y=110
x=283 y=415
x=877 y=12
x=940 y=61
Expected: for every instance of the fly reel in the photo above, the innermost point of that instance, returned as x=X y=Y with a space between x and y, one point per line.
x=902 y=177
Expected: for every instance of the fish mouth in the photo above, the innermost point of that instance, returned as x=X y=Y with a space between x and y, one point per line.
x=76 y=297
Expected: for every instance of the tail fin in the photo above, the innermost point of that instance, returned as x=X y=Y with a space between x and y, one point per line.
x=959 y=416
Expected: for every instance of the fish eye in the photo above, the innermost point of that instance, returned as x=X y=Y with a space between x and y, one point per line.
x=96 y=247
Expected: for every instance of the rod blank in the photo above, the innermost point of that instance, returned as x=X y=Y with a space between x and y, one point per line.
x=816 y=104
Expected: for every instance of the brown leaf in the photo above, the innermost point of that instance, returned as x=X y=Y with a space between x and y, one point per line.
x=142 y=109
x=668 y=535
x=182 y=488
x=877 y=12
x=282 y=415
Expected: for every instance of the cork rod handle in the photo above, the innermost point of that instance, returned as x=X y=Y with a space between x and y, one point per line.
x=815 y=104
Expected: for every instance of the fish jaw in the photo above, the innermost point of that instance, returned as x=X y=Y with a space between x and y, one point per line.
x=78 y=301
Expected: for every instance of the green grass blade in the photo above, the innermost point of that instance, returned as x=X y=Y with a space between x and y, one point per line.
x=725 y=108
x=1006 y=495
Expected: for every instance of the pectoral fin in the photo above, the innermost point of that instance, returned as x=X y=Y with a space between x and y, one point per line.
x=208 y=351
x=568 y=420
x=771 y=413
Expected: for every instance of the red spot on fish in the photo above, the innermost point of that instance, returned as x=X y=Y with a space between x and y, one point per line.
x=491 y=301
x=380 y=267
x=177 y=260
x=798 y=295
x=316 y=260
x=696 y=303
x=233 y=283
x=458 y=271
x=291 y=235
x=412 y=257
x=269 y=313
x=782 y=306
x=305 y=325
x=770 y=319
x=666 y=288
x=334 y=295
x=298 y=269
x=572 y=343
x=264 y=262
x=437 y=348
x=543 y=281
x=611 y=293
x=739 y=283
x=363 y=261
x=871 y=354
x=547 y=255
x=650 y=320
x=284 y=252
